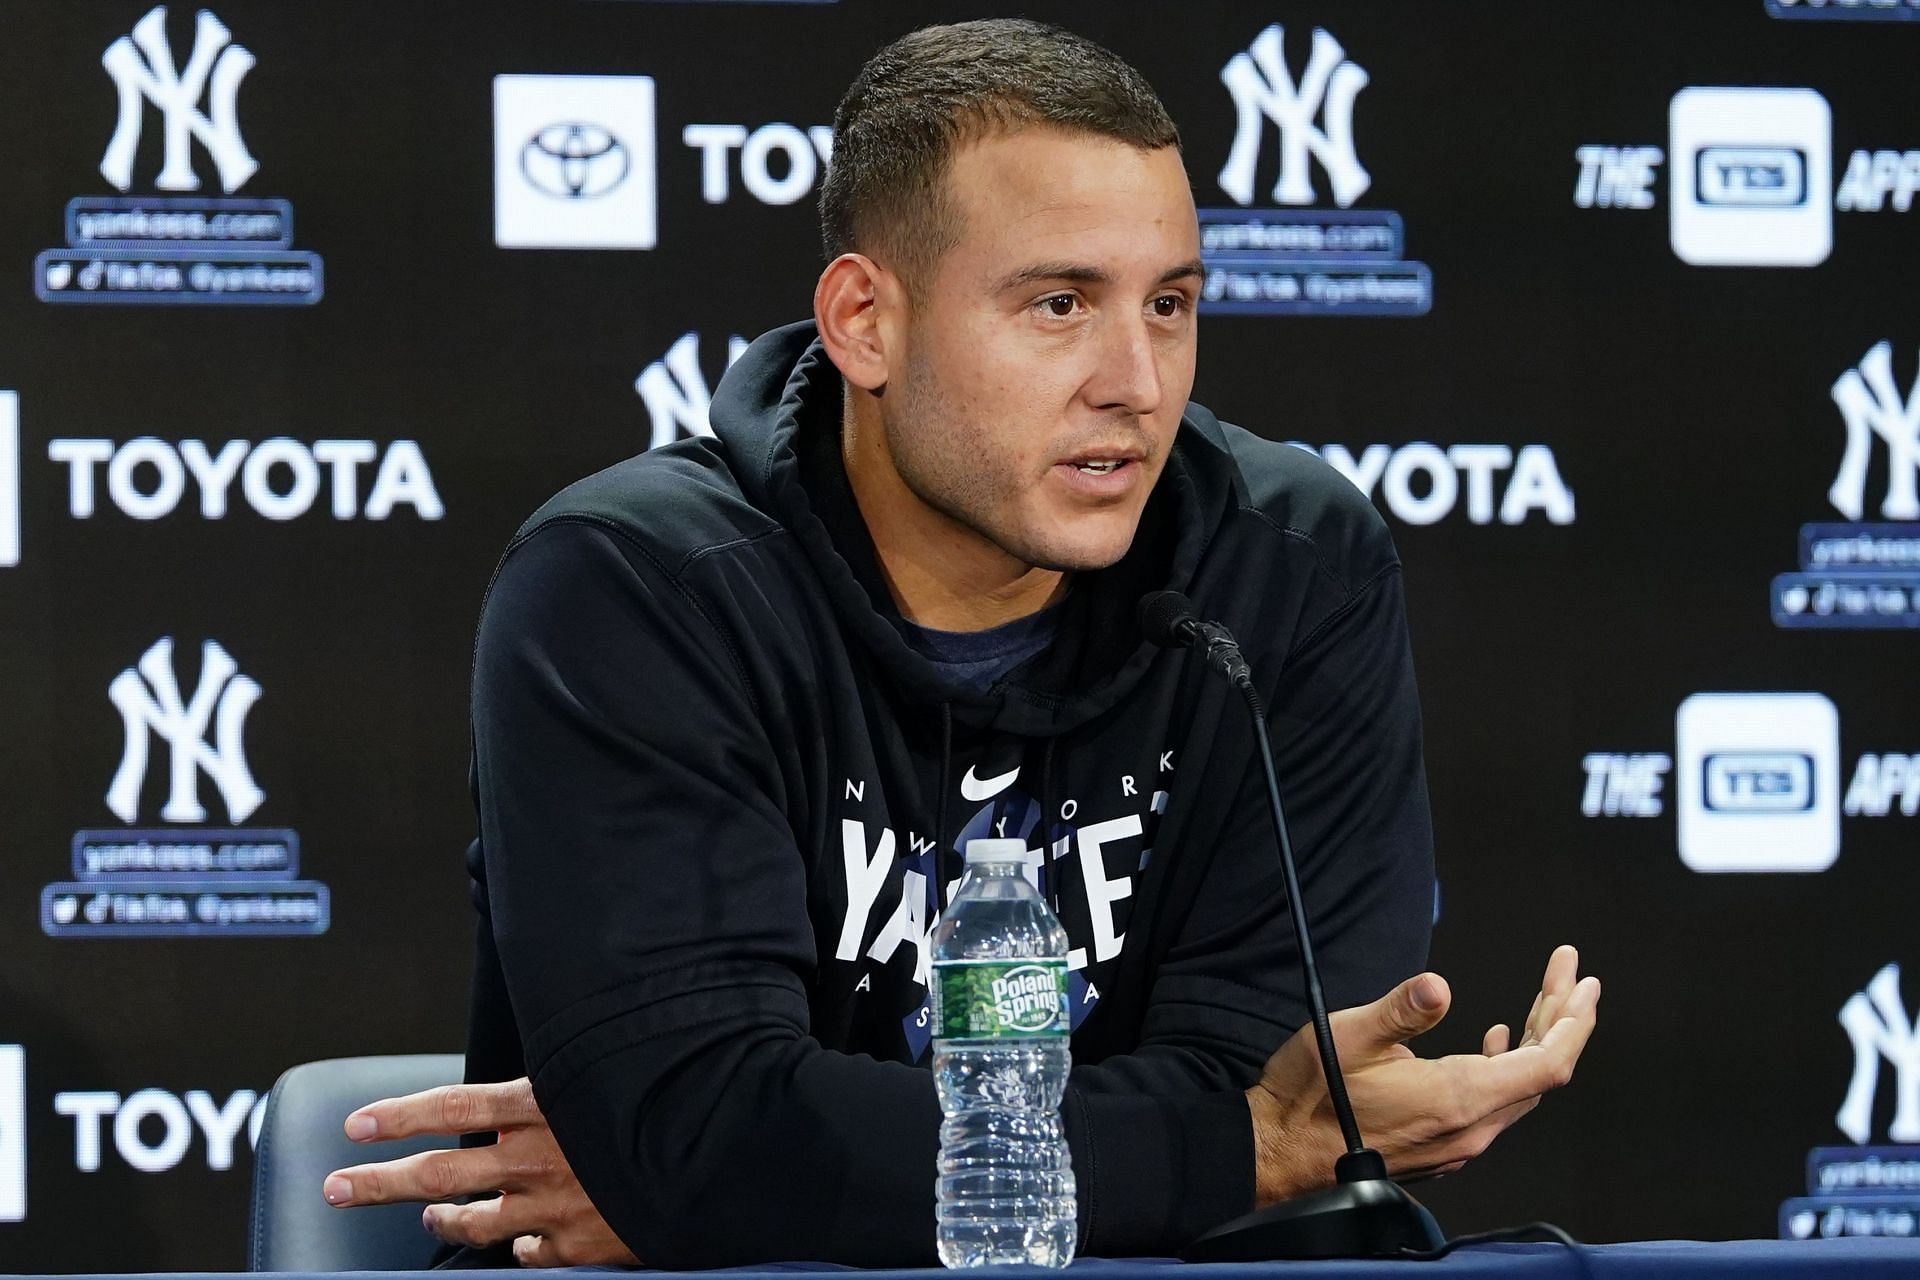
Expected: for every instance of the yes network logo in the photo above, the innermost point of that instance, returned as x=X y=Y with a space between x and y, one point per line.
x=1751 y=172
x=1759 y=781
x=1752 y=177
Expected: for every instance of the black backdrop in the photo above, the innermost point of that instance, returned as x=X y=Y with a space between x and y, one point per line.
x=1678 y=421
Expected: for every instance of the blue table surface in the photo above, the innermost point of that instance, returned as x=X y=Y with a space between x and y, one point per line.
x=1681 y=1259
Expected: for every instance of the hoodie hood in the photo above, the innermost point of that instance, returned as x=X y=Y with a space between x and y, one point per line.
x=777 y=412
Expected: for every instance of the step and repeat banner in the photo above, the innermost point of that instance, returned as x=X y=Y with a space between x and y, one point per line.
x=1613 y=310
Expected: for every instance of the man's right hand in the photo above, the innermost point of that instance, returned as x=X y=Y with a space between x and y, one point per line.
x=1425 y=1116
x=540 y=1205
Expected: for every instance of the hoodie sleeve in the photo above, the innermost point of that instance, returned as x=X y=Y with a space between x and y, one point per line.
x=649 y=905
x=1165 y=1127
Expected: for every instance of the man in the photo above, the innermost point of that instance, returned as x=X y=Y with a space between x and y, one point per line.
x=739 y=703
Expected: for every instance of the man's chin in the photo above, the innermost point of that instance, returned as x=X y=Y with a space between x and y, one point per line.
x=1078 y=556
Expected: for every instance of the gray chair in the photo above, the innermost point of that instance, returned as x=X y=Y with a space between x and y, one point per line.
x=291 y=1228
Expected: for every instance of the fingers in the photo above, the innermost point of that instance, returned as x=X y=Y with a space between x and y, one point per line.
x=1563 y=970
x=431 y=1175
x=1534 y=1069
x=448 y=1111
x=1562 y=965
x=1468 y=1100
x=1578 y=1016
x=1410 y=1009
x=1527 y=1035
x=593 y=1248
x=482 y=1223
x=537 y=1251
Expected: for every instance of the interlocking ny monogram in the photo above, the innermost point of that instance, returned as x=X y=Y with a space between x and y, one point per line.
x=215 y=67
x=1263 y=90
x=154 y=706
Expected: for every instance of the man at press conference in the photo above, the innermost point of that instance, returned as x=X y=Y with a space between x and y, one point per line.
x=739 y=702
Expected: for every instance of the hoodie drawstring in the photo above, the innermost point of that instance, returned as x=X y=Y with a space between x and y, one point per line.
x=1047 y=861
x=940 y=806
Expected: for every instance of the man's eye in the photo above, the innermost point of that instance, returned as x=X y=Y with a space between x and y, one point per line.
x=1060 y=306
x=1169 y=305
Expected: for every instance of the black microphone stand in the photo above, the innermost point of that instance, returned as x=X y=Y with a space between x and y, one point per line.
x=1365 y=1214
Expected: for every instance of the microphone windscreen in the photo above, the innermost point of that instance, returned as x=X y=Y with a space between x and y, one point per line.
x=1166 y=617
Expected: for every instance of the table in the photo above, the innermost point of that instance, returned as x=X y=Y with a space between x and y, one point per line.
x=1866 y=1259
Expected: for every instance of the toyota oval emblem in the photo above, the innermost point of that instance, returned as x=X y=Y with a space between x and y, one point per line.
x=573 y=160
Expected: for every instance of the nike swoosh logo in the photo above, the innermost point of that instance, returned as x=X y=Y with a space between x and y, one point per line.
x=986 y=788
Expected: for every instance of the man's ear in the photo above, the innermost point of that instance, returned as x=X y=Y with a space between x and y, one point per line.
x=856 y=306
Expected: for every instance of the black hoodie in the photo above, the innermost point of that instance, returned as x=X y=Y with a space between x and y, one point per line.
x=719 y=792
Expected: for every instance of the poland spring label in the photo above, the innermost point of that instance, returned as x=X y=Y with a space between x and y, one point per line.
x=996 y=999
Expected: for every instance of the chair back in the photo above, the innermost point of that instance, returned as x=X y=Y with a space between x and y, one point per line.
x=291 y=1228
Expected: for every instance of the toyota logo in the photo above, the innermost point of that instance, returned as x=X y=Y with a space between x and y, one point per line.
x=571 y=160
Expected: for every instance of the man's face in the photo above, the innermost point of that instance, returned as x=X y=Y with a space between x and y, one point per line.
x=1052 y=349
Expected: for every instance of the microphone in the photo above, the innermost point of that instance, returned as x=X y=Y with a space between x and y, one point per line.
x=1365 y=1214
x=1169 y=621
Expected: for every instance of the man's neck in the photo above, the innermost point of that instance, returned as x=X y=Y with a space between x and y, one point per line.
x=942 y=575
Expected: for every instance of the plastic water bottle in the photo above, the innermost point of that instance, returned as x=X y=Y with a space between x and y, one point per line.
x=1000 y=1062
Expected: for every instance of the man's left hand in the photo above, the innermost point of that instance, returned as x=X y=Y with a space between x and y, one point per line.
x=541 y=1206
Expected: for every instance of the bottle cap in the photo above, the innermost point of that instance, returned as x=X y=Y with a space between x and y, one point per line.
x=996 y=851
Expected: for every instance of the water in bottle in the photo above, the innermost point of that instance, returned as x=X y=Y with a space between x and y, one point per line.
x=1000 y=1060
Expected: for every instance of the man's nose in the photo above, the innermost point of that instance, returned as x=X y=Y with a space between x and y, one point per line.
x=1128 y=376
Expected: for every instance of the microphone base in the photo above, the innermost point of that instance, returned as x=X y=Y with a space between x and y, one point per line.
x=1361 y=1217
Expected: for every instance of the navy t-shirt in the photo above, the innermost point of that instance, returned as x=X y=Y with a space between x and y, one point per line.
x=975 y=659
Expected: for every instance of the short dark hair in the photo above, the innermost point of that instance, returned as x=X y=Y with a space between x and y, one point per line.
x=917 y=100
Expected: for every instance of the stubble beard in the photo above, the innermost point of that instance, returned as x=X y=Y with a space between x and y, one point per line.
x=944 y=462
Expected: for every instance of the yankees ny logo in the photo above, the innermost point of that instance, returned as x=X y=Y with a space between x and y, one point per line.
x=1876 y=1021
x=155 y=706
x=1263 y=90
x=143 y=70
x=676 y=392
x=1869 y=400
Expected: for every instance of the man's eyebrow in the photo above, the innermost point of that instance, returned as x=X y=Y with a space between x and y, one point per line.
x=1081 y=273
x=1075 y=272
x=1186 y=270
